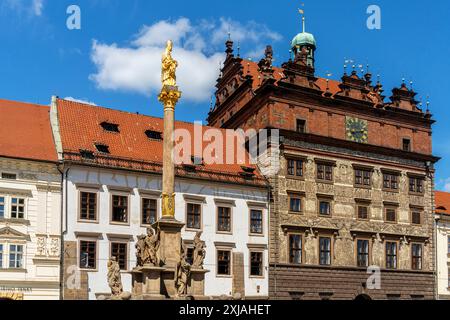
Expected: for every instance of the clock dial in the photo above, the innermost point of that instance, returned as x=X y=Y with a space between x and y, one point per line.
x=357 y=130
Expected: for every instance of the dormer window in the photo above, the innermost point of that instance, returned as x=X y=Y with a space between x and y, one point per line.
x=102 y=148
x=110 y=127
x=86 y=154
x=154 y=135
x=9 y=176
x=198 y=161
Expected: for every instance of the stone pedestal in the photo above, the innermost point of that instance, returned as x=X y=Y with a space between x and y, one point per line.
x=170 y=237
x=147 y=283
x=196 y=287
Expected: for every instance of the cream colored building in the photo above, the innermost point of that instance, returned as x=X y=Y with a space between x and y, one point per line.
x=443 y=244
x=30 y=201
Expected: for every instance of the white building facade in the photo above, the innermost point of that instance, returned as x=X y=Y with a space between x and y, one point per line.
x=106 y=210
x=30 y=205
x=443 y=245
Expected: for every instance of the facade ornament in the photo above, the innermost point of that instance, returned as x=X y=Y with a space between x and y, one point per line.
x=114 y=278
x=182 y=272
x=199 y=251
x=41 y=246
x=140 y=248
x=265 y=64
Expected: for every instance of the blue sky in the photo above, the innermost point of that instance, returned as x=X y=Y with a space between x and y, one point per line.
x=112 y=61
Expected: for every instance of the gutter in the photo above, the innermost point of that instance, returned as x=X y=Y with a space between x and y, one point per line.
x=63 y=225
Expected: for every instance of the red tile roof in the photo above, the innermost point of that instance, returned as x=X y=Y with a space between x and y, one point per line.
x=25 y=131
x=252 y=68
x=442 y=202
x=131 y=148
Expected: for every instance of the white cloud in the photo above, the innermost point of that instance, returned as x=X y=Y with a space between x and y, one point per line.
x=198 y=48
x=38 y=6
x=29 y=7
x=79 y=100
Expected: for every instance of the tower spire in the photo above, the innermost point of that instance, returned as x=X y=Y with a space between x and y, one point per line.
x=302 y=12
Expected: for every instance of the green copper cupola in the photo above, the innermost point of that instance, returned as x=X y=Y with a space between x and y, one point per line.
x=304 y=43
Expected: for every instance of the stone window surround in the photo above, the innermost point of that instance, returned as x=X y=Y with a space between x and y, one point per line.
x=422 y=177
x=5 y=258
x=262 y=252
x=363 y=202
x=263 y=224
x=87 y=239
x=224 y=246
x=288 y=247
x=127 y=254
x=421 y=257
x=394 y=173
x=294 y=157
x=95 y=191
x=326 y=162
x=325 y=198
x=225 y=203
x=396 y=253
x=194 y=199
x=301 y=196
x=141 y=207
x=390 y=205
x=366 y=238
x=328 y=236
x=8 y=204
x=363 y=168
x=121 y=193
x=419 y=209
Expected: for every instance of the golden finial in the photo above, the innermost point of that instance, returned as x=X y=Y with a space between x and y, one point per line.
x=302 y=12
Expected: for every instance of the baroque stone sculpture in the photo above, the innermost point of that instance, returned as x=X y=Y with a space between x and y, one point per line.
x=114 y=278
x=147 y=248
x=182 y=273
x=199 y=251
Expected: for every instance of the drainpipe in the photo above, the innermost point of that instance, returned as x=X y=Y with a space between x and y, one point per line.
x=63 y=225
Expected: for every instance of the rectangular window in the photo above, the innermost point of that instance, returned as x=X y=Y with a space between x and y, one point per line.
x=301 y=126
x=120 y=209
x=1 y=256
x=363 y=253
x=119 y=250
x=295 y=204
x=363 y=177
x=391 y=255
x=363 y=212
x=2 y=207
x=416 y=249
x=390 y=181
x=9 y=176
x=193 y=216
x=224 y=262
x=406 y=145
x=325 y=251
x=390 y=215
x=324 y=172
x=416 y=185
x=15 y=256
x=17 y=208
x=256 y=221
x=149 y=211
x=295 y=168
x=325 y=207
x=295 y=248
x=256 y=264
x=448 y=245
x=88 y=254
x=416 y=217
x=224 y=219
x=88 y=206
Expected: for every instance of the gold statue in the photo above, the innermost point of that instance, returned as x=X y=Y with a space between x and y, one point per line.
x=169 y=67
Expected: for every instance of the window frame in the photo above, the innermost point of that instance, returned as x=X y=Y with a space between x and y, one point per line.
x=150 y=198
x=116 y=242
x=330 y=251
x=16 y=254
x=261 y=252
x=390 y=207
x=369 y=252
x=391 y=181
x=415 y=184
x=366 y=204
x=296 y=168
x=261 y=234
x=395 y=255
x=11 y=198
x=97 y=198
x=4 y=205
x=230 y=263
x=298 y=196
x=413 y=257
x=363 y=171
x=119 y=194
x=330 y=202
x=325 y=165
x=420 y=211
x=195 y=203
x=96 y=254
x=2 y=252
x=230 y=208
x=304 y=123
x=301 y=248
x=409 y=140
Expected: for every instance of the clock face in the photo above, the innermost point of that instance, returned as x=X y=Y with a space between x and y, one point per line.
x=357 y=130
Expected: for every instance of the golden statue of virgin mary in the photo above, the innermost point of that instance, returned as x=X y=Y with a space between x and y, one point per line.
x=169 y=67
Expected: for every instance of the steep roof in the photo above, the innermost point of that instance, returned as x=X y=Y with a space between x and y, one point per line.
x=442 y=202
x=25 y=131
x=131 y=148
